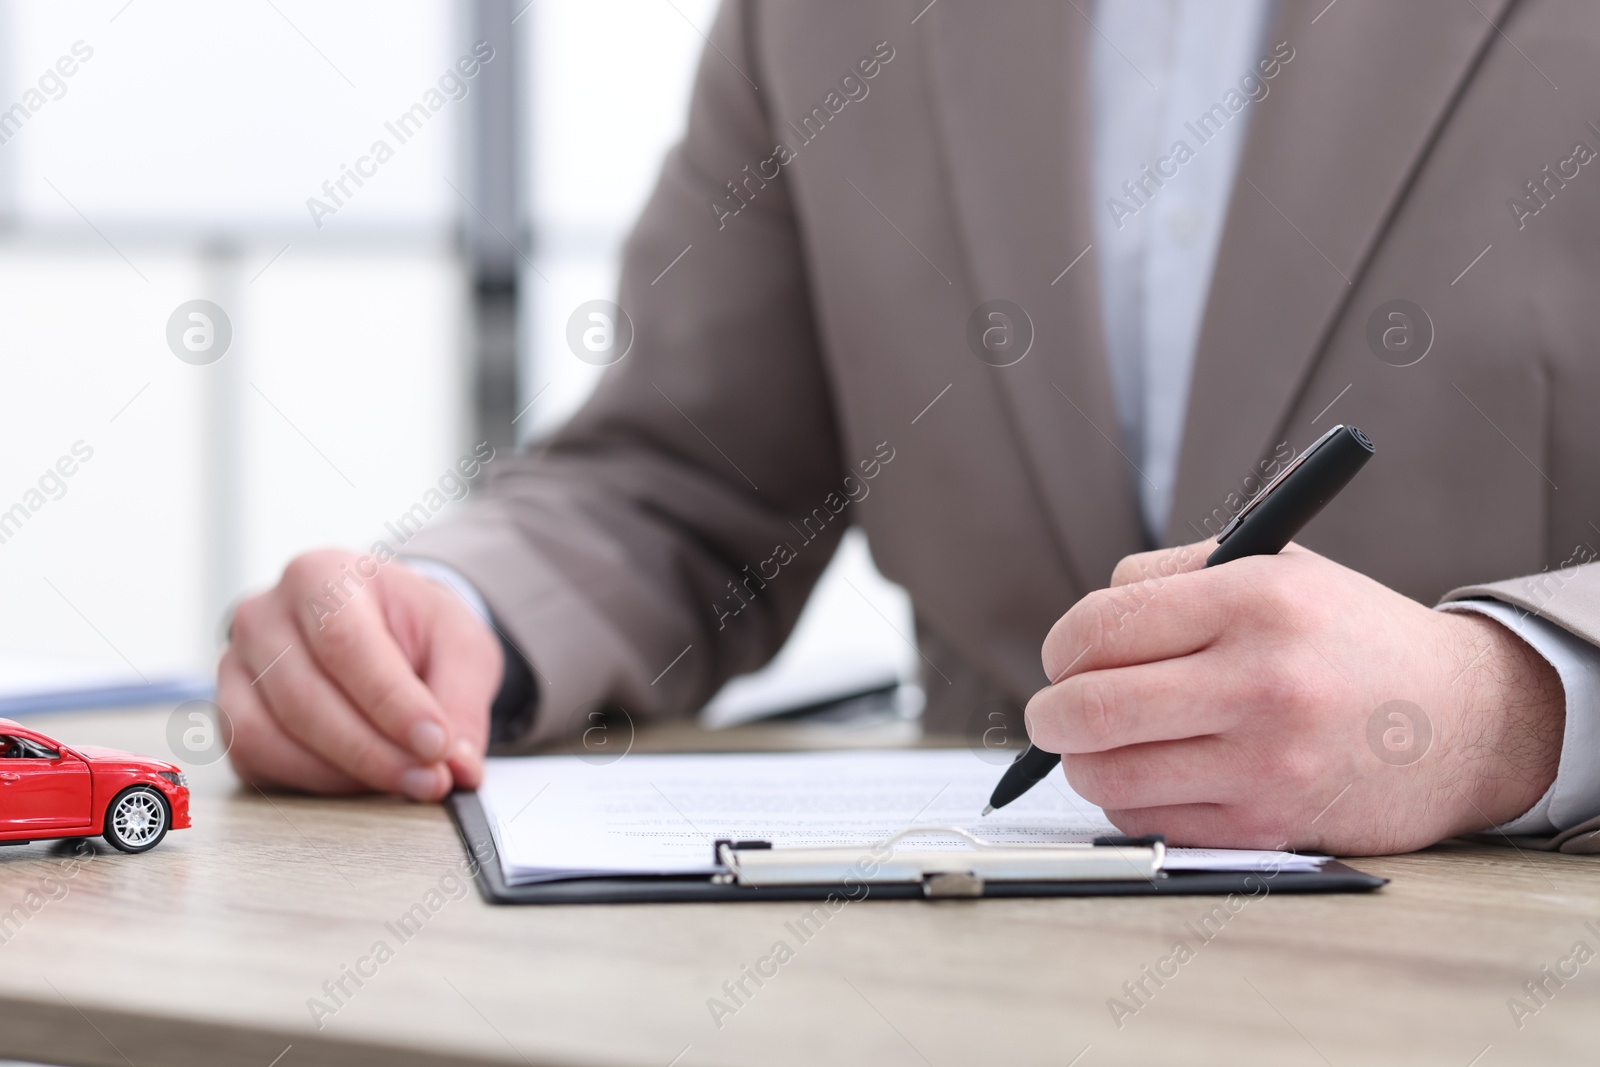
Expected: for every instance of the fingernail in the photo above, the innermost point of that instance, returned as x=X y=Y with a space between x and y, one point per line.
x=467 y=753
x=428 y=740
x=419 y=783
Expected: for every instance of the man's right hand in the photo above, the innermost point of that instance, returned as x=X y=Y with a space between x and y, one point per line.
x=385 y=686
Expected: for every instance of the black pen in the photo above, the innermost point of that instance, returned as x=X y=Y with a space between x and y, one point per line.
x=1271 y=519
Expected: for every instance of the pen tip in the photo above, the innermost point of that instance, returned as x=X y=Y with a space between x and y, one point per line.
x=987 y=808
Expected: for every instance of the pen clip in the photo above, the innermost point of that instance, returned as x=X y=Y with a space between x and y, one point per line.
x=1266 y=490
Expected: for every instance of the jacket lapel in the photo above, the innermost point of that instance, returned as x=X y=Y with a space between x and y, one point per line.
x=1330 y=155
x=1011 y=103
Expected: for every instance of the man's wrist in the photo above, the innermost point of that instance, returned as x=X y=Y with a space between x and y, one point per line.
x=1513 y=719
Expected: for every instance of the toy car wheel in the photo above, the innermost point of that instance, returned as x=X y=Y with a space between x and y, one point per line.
x=137 y=819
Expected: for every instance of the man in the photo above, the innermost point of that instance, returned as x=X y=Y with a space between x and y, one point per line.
x=1056 y=285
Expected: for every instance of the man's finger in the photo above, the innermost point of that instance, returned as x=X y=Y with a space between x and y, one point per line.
x=1140 y=623
x=1160 y=617
x=314 y=712
x=463 y=668
x=354 y=647
x=1217 y=826
x=1161 y=563
x=261 y=753
x=1205 y=770
x=1168 y=700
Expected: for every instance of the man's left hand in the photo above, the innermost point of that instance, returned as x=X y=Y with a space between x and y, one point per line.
x=1289 y=702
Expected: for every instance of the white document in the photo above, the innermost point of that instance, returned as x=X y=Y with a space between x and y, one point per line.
x=566 y=817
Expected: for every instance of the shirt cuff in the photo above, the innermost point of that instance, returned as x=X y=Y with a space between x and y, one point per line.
x=453 y=580
x=1574 y=797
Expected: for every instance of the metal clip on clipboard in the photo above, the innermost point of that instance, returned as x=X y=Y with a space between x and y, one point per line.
x=960 y=872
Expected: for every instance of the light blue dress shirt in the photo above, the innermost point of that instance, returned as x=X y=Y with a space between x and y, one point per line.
x=1156 y=67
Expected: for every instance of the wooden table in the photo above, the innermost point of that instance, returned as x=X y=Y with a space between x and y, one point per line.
x=207 y=950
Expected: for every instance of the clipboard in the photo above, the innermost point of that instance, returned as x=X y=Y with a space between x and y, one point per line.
x=754 y=871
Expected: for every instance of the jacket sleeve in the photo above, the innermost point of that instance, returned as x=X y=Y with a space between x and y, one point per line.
x=1558 y=613
x=668 y=536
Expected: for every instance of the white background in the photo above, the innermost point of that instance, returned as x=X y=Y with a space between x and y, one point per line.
x=177 y=165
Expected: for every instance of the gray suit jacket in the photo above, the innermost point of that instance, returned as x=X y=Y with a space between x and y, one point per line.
x=803 y=286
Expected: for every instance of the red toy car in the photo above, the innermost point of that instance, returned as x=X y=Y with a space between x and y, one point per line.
x=50 y=790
